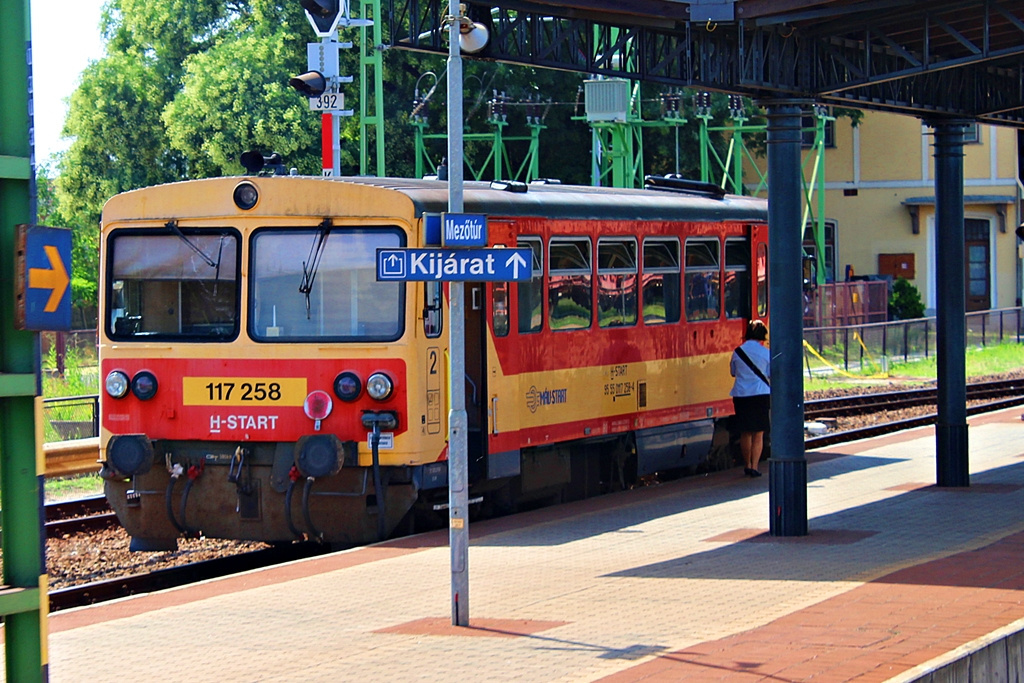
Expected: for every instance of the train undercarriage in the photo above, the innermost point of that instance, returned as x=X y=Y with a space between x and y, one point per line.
x=255 y=491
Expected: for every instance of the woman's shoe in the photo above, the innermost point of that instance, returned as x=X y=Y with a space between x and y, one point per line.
x=755 y=473
x=749 y=472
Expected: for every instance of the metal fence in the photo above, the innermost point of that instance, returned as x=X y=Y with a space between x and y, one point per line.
x=856 y=348
x=72 y=417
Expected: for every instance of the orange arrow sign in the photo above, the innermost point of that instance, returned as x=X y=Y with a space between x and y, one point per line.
x=55 y=278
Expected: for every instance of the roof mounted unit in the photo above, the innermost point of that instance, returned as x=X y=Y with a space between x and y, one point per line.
x=606 y=99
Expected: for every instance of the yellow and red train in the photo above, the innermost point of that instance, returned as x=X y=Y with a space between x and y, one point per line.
x=247 y=349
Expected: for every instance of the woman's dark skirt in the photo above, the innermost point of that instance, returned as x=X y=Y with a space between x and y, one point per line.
x=752 y=413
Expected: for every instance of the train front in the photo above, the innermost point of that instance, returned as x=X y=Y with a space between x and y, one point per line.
x=254 y=373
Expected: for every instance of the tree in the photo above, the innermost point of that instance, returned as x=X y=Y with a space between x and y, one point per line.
x=235 y=98
x=905 y=301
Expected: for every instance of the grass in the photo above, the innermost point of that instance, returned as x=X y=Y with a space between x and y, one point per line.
x=979 y=361
x=71 y=488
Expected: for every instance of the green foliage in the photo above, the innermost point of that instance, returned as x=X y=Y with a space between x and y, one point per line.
x=234 y=98
x=905 y=301
x=79 y=378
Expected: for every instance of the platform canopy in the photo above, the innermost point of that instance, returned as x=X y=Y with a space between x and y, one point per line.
x=930 y=58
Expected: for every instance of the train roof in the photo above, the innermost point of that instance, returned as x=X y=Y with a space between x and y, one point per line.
x=555 y=200
x=670 y=199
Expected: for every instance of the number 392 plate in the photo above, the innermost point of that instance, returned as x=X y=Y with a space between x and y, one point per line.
x=329 y=101
x=243 y=391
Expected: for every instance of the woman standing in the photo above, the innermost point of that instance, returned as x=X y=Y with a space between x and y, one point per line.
x=751 y=394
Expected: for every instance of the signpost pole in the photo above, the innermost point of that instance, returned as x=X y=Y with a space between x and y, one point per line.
x=458 y=460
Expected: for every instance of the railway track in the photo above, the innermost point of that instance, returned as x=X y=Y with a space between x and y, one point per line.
x=101 y=591
x=76 y=516
x=896 y=400
x=88 y=514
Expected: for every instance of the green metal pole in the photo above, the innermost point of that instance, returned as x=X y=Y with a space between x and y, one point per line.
x=371 y=65
x=420 y=146
x=705 y=144
x=23 y=599
x=737 y=156
x=819 y=222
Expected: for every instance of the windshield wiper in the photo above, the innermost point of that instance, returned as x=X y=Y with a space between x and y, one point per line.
x=172 y=225
x=316 y=252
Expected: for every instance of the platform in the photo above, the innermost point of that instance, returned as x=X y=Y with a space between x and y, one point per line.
x=673 y=582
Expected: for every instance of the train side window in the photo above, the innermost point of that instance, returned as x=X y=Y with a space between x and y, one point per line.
x=702 y=279
x=616 y=282
x=531 y=294
x=570 y=275
x=499 y=308
x=737 y=277
x=433 y=315
x=661 y=299
x=762 y=280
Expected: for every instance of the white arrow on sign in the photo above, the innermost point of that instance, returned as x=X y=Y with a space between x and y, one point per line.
x=516 y=261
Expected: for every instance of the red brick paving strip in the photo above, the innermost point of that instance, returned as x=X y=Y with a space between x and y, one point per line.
x=867 y=634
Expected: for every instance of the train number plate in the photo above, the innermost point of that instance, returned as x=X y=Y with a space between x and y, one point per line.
x=243 y=391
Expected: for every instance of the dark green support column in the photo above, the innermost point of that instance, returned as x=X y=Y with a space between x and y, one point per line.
x=952 y=467
x=23 y=597
x=787 y=468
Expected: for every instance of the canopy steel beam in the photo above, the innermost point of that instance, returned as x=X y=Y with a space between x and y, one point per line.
x=898 y=56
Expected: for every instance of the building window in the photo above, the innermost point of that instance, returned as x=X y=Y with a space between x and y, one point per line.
x=807 y=131
x=829 y=245
x=972 y=133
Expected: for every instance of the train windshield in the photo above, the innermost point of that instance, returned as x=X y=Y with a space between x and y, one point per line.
x=320 y=284
x=178 y=284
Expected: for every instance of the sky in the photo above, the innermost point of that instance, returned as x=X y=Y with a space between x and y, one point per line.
x=65 y=38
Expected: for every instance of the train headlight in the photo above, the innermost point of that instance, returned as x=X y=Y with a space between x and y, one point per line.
x=116 y=384
x=245 y=195
x=144 y=385
x=379 y=386
x=347 y=386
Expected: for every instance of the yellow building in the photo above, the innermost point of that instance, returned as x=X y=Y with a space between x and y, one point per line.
x=880 y=207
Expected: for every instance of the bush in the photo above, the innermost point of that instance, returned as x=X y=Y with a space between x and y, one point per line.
x=905 y=301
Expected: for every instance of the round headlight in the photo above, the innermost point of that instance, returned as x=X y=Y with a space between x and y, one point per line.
x=116 y=384
x=347 y=386
x=245 y=196
x=144 y=385
x=379 y=386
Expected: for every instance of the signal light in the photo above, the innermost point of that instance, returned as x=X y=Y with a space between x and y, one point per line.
x=347 y=386
x=255 y=163
x=323 y=15
x=310 y=84
x=144 y=385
